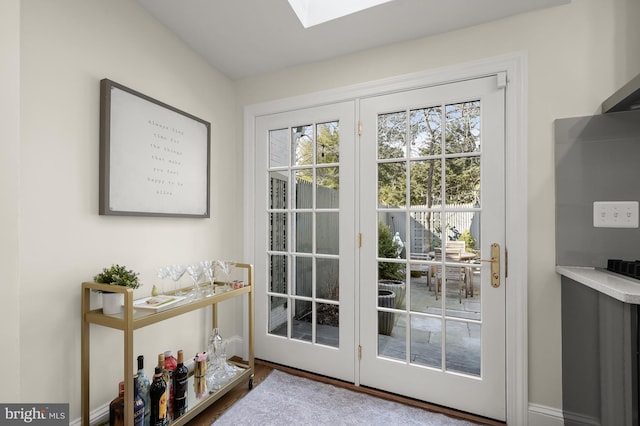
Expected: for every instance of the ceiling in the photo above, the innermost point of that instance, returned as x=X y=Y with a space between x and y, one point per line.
x=246 y=38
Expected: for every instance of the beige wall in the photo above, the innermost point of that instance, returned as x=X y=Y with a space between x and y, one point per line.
x=578 y=55
x=67 y=47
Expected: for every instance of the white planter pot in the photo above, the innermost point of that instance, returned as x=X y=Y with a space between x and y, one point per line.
x=112 y=303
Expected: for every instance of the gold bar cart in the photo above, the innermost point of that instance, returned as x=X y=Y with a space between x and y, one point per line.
x=129 y=321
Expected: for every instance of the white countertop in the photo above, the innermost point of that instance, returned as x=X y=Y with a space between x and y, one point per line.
x=617 y=286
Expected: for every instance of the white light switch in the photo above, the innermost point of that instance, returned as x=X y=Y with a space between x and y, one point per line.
x=615 y=214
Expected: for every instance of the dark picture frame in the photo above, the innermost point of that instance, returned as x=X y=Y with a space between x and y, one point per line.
x=154 y=158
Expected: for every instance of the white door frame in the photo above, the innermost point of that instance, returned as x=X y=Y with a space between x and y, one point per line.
x=516 y=190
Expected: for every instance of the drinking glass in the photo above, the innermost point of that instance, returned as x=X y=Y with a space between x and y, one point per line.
x=207 y=269
x=163 y=273
x=176 y=271
x=225 y=272
x=195 y=272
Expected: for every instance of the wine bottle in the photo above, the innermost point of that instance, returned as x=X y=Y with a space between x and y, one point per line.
x=170 y=365
x=143 y=389
x=158 y=399
x=180 y=382
x=116 y=408
x=138 y=404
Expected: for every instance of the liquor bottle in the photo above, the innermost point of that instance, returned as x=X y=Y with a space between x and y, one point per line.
x=165 y=374
x=158 y=399
x=216 y=347
x=165 y=378
x=180 y=382
x=143 y=389
x=170 y=364
x=199 y=375
x=138 y=404
x=116 y=408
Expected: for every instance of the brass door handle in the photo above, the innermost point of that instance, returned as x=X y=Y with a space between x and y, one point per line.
x=495 y=264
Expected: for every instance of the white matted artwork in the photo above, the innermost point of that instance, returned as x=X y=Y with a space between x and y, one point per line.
x=154 y=159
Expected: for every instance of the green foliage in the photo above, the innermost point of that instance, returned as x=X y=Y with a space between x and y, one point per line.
x=118 y=275
x=387 y=248
x=392 y=184
x=327 y=151
x=453 y=130
x=470 y=242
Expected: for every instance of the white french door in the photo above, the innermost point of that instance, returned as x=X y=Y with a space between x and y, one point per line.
x=427 y=172
x=304 y=241
x=432 y=206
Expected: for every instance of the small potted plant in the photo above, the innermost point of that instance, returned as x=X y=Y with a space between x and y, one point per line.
x=120 y=276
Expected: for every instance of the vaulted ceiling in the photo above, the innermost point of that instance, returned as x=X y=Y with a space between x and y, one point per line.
x=244 y=38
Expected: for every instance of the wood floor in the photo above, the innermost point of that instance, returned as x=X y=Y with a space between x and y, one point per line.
x=263 y=368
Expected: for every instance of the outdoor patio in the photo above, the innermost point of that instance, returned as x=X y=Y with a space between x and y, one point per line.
x=462 y=349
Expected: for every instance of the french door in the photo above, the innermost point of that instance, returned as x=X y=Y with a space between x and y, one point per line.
x=432 y=208
x=370 y=241
x=304 y=242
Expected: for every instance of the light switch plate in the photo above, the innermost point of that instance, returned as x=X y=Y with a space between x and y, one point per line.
x=615 y=214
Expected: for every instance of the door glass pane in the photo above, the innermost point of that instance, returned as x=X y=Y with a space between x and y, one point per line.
x=426 y=341
x=303 y=232
x=327 y=187
x=327 y=273
x=392 y=135
x=426 y=132
x=392 y=333
x=425 y=234
x=279 y=148
x=303 y=179
x=390 y=242
x=399 y=289
x=426 y=183
x=463 y=127
x=328 y=322
x=302 y=145
x=278 y=186
x=327 y=233
x=302 y=317
x=328 y=147
x=302 y=285
x=463 y=347
x=278 y=316
x=392 y=183
x=462 y=180
x=461 y=245
x=278 y=274
x=278 y=231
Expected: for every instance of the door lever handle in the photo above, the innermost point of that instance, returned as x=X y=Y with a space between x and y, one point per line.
x=495 y=264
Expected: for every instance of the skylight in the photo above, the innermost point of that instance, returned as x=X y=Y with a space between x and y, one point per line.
x=314 y=12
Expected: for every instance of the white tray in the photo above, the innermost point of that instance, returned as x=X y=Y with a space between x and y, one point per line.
x=157 y=303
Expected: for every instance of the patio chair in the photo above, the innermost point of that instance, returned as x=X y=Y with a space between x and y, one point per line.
x=457 y=245
x=451 y=273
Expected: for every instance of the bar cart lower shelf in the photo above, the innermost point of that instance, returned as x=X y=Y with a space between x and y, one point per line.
x=196 y=406
x=131 y=320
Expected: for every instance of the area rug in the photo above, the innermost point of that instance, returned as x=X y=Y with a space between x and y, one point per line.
x=284 y=399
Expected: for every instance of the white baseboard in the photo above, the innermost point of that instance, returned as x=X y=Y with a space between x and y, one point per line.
x=540 y=415
x=100 y=414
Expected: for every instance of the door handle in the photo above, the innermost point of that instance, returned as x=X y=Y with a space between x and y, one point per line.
x=495 y=264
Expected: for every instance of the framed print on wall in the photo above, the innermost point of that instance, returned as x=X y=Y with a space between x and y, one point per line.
x=154 y=158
